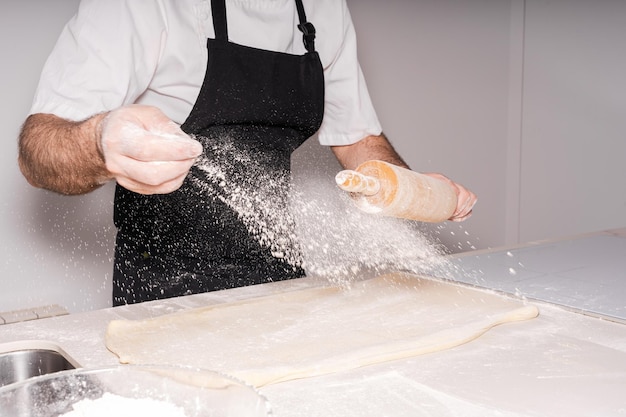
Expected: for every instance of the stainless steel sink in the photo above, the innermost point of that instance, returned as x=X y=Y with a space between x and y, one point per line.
x=25 y=359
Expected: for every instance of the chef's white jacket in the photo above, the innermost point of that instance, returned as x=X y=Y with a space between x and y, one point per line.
x=153 y=52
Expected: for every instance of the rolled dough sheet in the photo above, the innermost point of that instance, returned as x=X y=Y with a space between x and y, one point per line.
x=317 y=331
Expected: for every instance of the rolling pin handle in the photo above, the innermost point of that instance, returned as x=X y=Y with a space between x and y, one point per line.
x=355 y=182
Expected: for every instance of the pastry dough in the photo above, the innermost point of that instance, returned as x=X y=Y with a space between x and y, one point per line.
x=317 y=331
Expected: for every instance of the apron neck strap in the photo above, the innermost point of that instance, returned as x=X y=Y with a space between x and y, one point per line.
x=218 y=10
x=307 y=28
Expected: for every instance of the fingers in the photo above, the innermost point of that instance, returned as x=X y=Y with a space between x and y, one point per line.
x=154 y=177
x=165 y=187
x=145 y=151
x=465 y=207
x=465 y=199
x=465 y=204
x=148 y=146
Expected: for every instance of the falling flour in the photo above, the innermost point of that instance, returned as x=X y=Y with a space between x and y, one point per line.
x=118 y=406
x=253 y=188
x=339 y=241
x=321 y=231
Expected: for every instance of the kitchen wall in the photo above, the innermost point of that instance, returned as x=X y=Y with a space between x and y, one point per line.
x=521 y=101
x=53 y=249
x=573 y=140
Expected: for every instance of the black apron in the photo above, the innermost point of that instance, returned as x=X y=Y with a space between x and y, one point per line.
x=227 y=225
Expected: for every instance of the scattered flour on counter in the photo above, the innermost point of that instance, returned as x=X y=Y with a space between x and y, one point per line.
x=114 y=405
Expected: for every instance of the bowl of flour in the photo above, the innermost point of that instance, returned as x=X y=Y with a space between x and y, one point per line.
x=132 y=391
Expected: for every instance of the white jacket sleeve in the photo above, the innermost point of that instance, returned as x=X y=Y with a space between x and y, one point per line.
x=349 y=114
x=104 y=58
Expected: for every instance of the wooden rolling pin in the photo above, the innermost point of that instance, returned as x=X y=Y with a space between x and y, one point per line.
x=390 y=190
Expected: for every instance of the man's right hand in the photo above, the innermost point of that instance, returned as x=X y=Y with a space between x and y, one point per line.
x=145 y=151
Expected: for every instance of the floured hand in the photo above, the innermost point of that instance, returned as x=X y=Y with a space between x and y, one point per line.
x=145 y=151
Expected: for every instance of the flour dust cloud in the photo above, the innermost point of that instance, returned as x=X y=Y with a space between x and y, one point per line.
x=339 y=241
x=321 y=231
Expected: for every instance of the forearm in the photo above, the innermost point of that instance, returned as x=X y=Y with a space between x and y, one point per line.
x=368 y=148
x=61 y=155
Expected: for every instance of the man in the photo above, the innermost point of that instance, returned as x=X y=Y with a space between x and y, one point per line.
x=180 y=102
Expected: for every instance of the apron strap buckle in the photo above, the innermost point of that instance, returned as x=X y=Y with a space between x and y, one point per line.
x=308 y=36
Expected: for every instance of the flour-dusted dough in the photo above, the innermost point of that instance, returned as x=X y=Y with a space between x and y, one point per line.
x=317 y=331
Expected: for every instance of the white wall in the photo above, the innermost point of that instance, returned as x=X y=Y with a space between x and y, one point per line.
x=53 y=249
x=573 y=155
x=522 y=101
